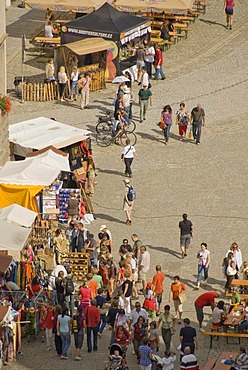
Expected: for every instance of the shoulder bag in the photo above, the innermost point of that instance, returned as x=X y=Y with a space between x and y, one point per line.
x=182 y=296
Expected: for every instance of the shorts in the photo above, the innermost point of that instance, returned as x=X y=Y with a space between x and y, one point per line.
x=229 y=11
x=135 y=277
x=140 y=64
x=159 y=298
x=185 y=241
x=199 y=313
x=142 y=275
x=177 y=305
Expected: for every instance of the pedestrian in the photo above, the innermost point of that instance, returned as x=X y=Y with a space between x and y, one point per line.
x=228 y=7
x=90 y=175
x=203 y=264
x=144 y=77
x=69 y=290
x=167 y=362
x=84 y=85
x=166 y=118
x=57 y=338
x=111 y=316
x=137 y=244
x=101 y=304
x=128 y=201
x=149 y=57
x=157 y=287
x=159 y=64
x=167 y=321
x=122 y=337
x=92 y=314
x=49 y=71
x=182 y=120
x=72 y=207
x=49 y=325
x=189 y=361
x=104 y=229
x=85 y=294
x=237 y=257
x=74 y=83
x=177 y=288
x=154 y=337
x=127 y=288
x=60 y=288
x=62 y=80
x=197 y=121
x=139 y=331
x=64 y=329
x=145 y=95
x=144 y=263
x=205 y=299
x=145 y=354
x=149 y=303
x=128 y=154
x=186 y=228
x=78 y=329
x=140 y=55
x=188 y=336
x=90 y=247
x=82 y=236
x=136 y=313
x=229 y=269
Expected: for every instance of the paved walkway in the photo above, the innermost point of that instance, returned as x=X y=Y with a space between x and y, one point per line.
x=207 y=181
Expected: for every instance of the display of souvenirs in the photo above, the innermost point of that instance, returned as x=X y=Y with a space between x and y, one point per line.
x=63 y=197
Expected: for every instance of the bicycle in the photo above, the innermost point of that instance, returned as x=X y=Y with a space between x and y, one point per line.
x=106 y=138
x=106 y=123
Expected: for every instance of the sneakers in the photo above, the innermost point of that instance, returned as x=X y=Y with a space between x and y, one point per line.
x=99 y=335
x=201 y=330
x=77 y=358
x=63 y=357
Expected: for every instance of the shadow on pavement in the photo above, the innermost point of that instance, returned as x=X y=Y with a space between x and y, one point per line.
x=212 y=23
x=103 y=216
x=165 y=250
x=111 y=172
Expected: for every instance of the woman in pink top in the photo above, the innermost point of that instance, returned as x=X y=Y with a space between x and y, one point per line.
x=228 y=6
x=85 y=295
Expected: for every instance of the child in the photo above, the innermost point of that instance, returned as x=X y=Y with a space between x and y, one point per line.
x=149 y=303
x=168 y=360
x=153 y=337
x=92 y=284
x=49 y=325
x=115 y=359
x=97 y=277
x=101 y=302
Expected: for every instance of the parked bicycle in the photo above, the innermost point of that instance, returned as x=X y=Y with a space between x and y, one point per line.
x=105 y=123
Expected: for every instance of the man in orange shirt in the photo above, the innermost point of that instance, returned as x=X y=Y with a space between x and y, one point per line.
x=92 y=285
x=157 y=287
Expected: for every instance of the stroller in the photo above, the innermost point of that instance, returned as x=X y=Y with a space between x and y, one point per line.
x=116 y=362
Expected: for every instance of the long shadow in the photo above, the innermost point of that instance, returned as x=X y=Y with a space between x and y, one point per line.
x=187 y=282
x=104 y=102
x=102 y=216
x=165 y=250
x=144 y=135
x=212 y=23
x=111 y=172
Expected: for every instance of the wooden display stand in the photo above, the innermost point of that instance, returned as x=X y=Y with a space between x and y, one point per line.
x=79 y=263
x=96 y=74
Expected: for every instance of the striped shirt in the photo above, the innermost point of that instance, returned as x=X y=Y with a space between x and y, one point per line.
x=189 y=362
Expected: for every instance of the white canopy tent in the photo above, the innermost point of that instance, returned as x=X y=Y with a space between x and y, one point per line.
x=18 y=214
x=13 y=236
x=38 y=133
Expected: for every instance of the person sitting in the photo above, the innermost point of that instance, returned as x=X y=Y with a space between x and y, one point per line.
x=235 y=299
x=218 y=315
x=164 y=31
x=241 y=362
x=49 y=30
x=243 y=327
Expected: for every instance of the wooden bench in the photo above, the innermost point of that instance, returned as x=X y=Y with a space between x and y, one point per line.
x=162 y=43
x=243 y=297
x=239 y=282
x=186 y=30
x=210 y=364
x=47 y=40
x=216 y=334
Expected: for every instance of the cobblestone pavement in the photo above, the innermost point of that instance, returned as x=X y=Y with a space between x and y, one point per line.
x=207 y=181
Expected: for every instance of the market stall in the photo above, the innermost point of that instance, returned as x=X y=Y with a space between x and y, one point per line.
x=153 y=6
x=112 y=25
x=90 y=56
x=79 y=6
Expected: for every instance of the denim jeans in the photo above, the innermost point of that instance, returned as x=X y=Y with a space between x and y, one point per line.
x=93 y=262
x=66 y=342
x=89 y=343
x=200 y=269
x=102 y=323
x=167 y=133
x=148 y=66
x=159 y=71
x=74 y=85
x=128 y=162
x=197 y=127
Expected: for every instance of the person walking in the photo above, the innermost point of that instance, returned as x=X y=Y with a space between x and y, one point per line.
x=186 y=228
x=228 y=7
x=128 y=201
x=188 y=336
x=64 y=329
x=197 y=120
x=203 y=264
x=78 y=328
x=145 y=354
x=128 y=154
x=139 y=331
x=144 y=77
x=143 y=266
x=92 y=314
x=168 y=326
x=145 y=95
x=237 y=257
x=205 y=299
x=62 y=80
x=177 y=288
x=159 y=64
x=84 y=85
x=182 y=120
x=166 y=118
x=157 y=287
x=149 y=57
x=74 y=83
x=140 y=55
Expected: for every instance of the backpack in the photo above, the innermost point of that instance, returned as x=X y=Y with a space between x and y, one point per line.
x=69 y=286
x=131 y=194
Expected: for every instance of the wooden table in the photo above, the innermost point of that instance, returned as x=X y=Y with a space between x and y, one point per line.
x=225 y=356
x=233 y=318
x=180 y=25
x=239 y=282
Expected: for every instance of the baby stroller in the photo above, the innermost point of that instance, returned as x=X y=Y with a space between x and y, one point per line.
x=116 y=362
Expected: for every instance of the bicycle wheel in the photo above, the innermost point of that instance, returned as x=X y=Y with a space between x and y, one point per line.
x=128 y=135
x=104 y=139
x=103 y=127
x=130 y=126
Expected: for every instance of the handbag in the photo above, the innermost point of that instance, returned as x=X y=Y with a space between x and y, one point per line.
x=161 y=125
x=230 y=271
x=182 y=298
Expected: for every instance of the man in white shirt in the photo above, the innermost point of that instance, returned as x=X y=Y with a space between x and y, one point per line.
x=104 y=229
x=144 y=77
x=203 y=264
x=149 y=58
x=143 y=265
x=49 y=30
x=136 y=313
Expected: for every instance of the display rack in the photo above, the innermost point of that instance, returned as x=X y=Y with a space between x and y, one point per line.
x=79 y=263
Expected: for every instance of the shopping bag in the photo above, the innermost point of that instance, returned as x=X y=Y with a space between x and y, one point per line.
x=190 y=133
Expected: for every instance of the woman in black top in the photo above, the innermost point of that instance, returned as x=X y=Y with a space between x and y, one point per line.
x=186 y=228
x=127 y=288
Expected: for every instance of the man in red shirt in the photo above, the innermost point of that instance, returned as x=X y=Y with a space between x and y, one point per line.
x=92 y=315
x=205 y=299
x=159 y=64
x=157 y=287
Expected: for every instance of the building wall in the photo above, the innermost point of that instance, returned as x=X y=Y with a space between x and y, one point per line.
x=4 y=144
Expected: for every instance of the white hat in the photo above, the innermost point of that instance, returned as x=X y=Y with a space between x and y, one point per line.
x=126 y=181
x=103 y=227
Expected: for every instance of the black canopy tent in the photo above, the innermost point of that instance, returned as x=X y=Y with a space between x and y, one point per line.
x=110 y=24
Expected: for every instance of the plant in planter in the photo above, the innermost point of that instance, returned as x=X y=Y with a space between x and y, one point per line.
x=5 y=104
